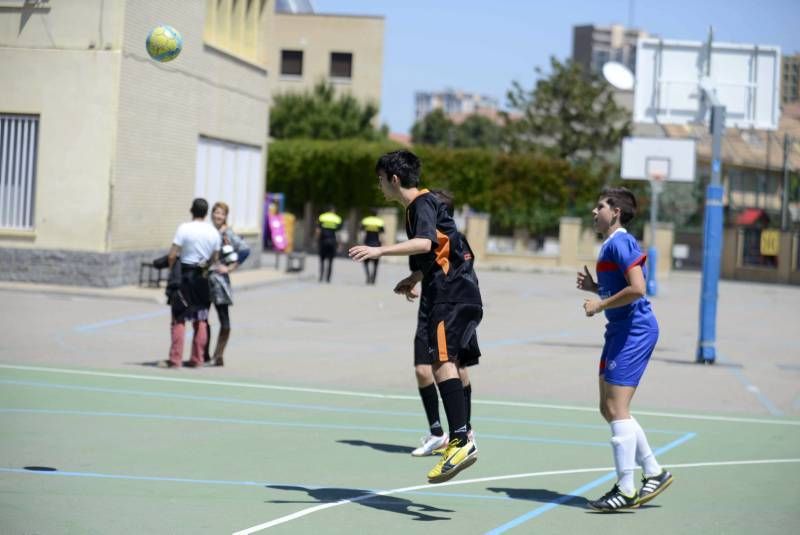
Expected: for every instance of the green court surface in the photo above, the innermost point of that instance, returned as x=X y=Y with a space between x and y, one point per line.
x=87 y=451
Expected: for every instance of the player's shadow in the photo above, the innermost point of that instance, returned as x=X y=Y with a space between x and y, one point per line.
x=549 y=496
x=387 y=448
x=543 y=496
x=366 y=498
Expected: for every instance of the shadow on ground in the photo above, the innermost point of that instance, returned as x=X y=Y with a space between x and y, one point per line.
x=386 y=448
x=366 y=498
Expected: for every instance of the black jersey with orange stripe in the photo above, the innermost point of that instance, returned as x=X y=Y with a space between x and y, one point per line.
x=447 y=267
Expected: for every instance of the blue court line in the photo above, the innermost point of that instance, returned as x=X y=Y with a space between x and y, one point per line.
x=750 y=387
x=163 y=312
x=503 y=342
x=300 y=406
x=108 y=323
x=264 y=484
x=242 y=421
x=580 y=490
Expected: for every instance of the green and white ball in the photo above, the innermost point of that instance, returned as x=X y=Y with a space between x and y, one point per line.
x=164 y=43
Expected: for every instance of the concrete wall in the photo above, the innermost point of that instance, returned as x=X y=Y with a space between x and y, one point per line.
x=118 y=135
x=318 y=35
x=59 y=66
x=163 y=110
x=786 y=272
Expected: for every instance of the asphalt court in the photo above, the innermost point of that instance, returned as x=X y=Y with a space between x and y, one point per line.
x=310 y=425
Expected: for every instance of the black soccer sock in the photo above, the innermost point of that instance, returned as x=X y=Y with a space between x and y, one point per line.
x=430 y=400
x=468 y=405
x=452 y=392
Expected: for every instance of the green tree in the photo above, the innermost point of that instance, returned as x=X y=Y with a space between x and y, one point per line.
x=433 y=129
x=570 y=114
x=321 y=114
x=478 y=131
x=436 y=128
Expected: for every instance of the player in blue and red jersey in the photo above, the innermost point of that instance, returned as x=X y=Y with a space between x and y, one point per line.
x=631 y=335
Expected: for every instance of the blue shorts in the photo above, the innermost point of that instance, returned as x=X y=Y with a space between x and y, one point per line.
x=626 y=354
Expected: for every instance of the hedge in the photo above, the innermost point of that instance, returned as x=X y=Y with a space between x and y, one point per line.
x=518 y=190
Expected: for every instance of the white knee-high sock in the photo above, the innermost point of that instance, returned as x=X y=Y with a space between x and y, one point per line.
x=623 y=442
x=644 y=455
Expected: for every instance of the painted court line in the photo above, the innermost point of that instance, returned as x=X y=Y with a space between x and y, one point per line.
x=304 y=406
x=229 y=482
x=244 y=421
x=578 y=491
x=753 y=389
x=44 y=369
x=308 y=511
x=118 y=321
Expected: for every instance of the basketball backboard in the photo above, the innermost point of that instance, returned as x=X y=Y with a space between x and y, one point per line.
x=668 y=74
x=650 y=158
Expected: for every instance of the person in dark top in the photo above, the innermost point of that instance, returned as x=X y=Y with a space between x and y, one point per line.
x=450 y=301
x=372 y=225
x=437 y=439
x=329 y=223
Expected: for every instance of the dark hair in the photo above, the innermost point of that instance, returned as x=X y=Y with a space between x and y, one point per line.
x=403 y=163
x=446 y=198
x=623 y=199
x=199 y=207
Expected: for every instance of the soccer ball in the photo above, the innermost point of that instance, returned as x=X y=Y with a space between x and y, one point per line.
x=164 y=43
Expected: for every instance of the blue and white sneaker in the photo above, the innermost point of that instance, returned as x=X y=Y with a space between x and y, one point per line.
x=615 y=500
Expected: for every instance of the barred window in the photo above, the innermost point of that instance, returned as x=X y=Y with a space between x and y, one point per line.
x=18 y=136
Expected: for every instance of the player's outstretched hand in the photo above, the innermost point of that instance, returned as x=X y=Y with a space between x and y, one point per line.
x=592 y=306
x=585 y=281
x=359 y=253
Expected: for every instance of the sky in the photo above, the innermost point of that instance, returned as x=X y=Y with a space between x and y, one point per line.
x=482 y=46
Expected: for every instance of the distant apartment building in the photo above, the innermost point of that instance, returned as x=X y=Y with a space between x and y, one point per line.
x=790 y=78
x=456 y=104
x=593 y=46
x=305 y=47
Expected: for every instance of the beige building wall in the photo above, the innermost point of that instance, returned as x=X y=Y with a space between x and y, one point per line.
x=317 y=35
x=163 y=110
x=62 y=68
x=118 y=132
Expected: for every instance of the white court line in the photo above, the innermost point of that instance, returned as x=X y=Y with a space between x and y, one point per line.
x=387 y=396
x=309 y=510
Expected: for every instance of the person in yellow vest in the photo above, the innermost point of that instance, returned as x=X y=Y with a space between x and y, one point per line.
x=329 y=224
x=372 y=225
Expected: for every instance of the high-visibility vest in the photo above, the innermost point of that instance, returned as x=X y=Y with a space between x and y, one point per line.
x=330 y=221
x=372 y=223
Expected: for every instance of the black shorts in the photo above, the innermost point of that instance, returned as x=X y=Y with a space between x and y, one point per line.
x=447 y=332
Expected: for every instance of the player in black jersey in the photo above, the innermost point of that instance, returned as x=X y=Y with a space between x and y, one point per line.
x=450 y=300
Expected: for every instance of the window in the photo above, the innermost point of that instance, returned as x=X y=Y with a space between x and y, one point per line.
x=18 y=134
x=231 y=172
x=341 y=65
x=292 y=62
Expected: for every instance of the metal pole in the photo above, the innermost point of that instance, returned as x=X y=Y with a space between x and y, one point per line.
x=785 y=196
x=652 y=252
x=712 y=243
